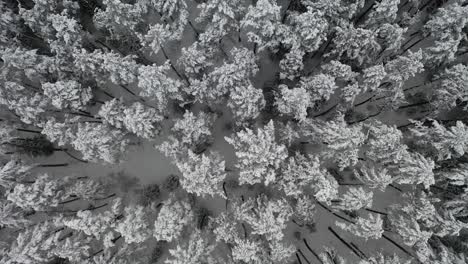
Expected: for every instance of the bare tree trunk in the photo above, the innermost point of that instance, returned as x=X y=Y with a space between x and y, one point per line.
x=52 y=165
x=298 y=258
x=326 y=111
x=344 y=242
x=412 y=45
x=181 y=76
x=197 y=34
x=397 y=245
x=413 y=105
x=359 y=250
x=28 y=130
x=72 y=156
x=303 y=256
x=312 y=251
x=365 y=101
x=374 y=211
x=335 y=214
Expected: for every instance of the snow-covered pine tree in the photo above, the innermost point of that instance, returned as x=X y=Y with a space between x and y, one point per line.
x=370 y=227
x=258 y=154
x=202 y=174
x=197 y=249
x=261 y=23
x=293 y=102
x=440 y=142
x=245 y=102
x=354 y=198
x=266 y=216
x=453 y=88
x=155 y=84
x=172 y=218
x=137 y=118
x=341 y=141
x=67 y=94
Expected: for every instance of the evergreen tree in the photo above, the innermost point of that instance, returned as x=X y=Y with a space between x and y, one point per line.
x=259 y=156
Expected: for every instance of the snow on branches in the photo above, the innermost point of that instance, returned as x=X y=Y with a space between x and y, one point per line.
x=259 y=156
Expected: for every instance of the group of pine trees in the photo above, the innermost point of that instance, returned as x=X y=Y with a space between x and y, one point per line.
x=325 y=104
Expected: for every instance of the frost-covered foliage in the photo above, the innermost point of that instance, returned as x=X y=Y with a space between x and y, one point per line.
x=197 y=249
x=262 y=21
x=341 y=141
x=41 y=194
x=156 y=85
x=245 y=103
x=194 y=130
x=453 y=87
x=320 y=86
x=259 y=156
x=440 y=142
x=67 y=94
x=276 y=119
x=355 y=199
x=370 y=227
x=294 y=102
x=202 y=174
x=172 y=218
x=137 y=118
x=266 y=217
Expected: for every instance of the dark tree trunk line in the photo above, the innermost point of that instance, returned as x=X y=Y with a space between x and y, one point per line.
x=312 y=251
x=303 y=256
x=344 y=242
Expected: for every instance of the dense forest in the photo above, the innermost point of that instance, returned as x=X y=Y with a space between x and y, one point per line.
x=273 y=131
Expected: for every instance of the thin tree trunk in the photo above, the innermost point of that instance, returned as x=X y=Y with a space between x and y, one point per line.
x=108 y=94
x=358 y=249
x=131 y=92
x=80 y=160
x=303 y=256
x=28 y=130
x=245 y=231
x=92 y=208
x=285 y=15
x=197 y=34
x=396 y=188
x=366 y=118
x=52 y=165
x=327 y=111
x=344 y=242
x=365 y=101
x=350 y=184
x=312 y=251
x=96 y=253
x=116 y=239
x=298 y=258
x=413 y=87
x=98 y=101
x=413 y=105
x=78 y=114
x=374 y=211
x=65 y=236
x=335 y=214
x=172 y=65
x=412 y=45
x=295 y=222
x=397 y=245
x=226 y=194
